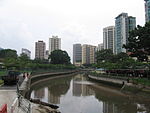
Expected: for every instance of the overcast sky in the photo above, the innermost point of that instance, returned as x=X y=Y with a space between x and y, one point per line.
x=23 y=22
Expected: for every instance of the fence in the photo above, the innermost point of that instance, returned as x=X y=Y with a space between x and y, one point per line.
x=23 y=103
x=13 y=106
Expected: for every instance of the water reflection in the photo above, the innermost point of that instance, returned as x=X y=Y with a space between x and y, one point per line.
x=77 y=95
x=80 y=86
x=52 y=91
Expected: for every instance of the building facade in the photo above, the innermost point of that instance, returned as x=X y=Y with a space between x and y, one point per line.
x=100 y=47
x=147 y=10
x=1 y=48
x=54 y=43
x=40 y=49
x=123 y=24
x=47 y=54
x=88 y=54
x=131 y=23
x=77 y=54
x=26 y=51
x=108 y=37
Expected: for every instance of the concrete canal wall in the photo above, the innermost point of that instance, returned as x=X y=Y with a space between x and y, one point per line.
x=124 y=85
x=35 y=79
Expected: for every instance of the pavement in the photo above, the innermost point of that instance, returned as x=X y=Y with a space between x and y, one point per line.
x=112 y=80
x=8 y=95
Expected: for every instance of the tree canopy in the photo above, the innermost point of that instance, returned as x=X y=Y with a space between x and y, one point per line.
x=59 y=57
x=139 y=42
x=104 y=55
x=8 y=53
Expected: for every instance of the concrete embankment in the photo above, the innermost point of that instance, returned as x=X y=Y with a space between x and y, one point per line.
x=124 y=85
x=28 y=82
x=109 y=81
x=35 y=79
x=47 y=75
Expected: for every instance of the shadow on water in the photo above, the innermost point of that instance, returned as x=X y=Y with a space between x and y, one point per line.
x=75 y=94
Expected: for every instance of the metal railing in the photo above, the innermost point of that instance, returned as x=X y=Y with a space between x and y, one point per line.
x=23 y=103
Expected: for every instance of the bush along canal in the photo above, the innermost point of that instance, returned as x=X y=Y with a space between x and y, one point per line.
x=77 y=94
x=135 y=85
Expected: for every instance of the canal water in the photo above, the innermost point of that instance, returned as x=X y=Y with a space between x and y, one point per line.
x=76 y=94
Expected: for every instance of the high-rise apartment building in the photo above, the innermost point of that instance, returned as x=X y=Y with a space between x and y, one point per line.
x=26 y=51
x=108 y=37
x=147 y=10
x=92 y=54
x=54 y=43
x=88 y=54
x=100 y=47
x=1 y=48
x=77 y=54
x=123 y=24
x=131 y=23
x=47 y=54
x=40 y=49
x=121 y=32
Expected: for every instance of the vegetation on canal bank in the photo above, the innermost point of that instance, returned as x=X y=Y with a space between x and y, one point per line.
x=11 y=60
x=143 y=81
x=134 y=80
x=107 y=60
x=1 y=82
x=136 y=86
x=2 y=72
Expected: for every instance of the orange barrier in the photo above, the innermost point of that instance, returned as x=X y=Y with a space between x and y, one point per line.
x=3 y=109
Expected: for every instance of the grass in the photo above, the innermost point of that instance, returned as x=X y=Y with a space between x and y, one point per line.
x=1 y=82
x=2 y=72
x=143 y=81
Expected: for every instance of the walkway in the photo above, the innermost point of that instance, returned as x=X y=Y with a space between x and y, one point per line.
x=111 y=80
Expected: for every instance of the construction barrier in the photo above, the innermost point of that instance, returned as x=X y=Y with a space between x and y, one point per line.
x=3 y=109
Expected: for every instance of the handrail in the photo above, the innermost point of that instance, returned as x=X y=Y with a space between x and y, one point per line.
x=23 y=103
x=12 y=108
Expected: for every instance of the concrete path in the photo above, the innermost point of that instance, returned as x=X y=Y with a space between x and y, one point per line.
x=7 y=97
x=116 y=81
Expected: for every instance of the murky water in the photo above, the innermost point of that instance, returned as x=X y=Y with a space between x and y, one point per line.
x=76 y=94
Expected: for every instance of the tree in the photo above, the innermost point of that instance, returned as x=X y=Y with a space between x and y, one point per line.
x=8 y=53
x=139 y=42
x=23 y=61
x=24 y=57
x=59 y=57
x=121 y=56
x=105 y=55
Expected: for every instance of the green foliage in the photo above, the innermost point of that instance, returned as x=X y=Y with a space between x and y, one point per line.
x=13 y=62
x=24 y=57
x=105 y=55
x=3 y=72
x=8 y=53
x=1 y=82
x=105 y=59
x=143 y=81
x=59 y=57
x=139 y=42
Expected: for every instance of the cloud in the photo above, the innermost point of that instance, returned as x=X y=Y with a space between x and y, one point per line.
x=15 y=35
x=23 y=22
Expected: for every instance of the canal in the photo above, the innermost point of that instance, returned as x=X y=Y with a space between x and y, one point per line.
x=76 y=94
